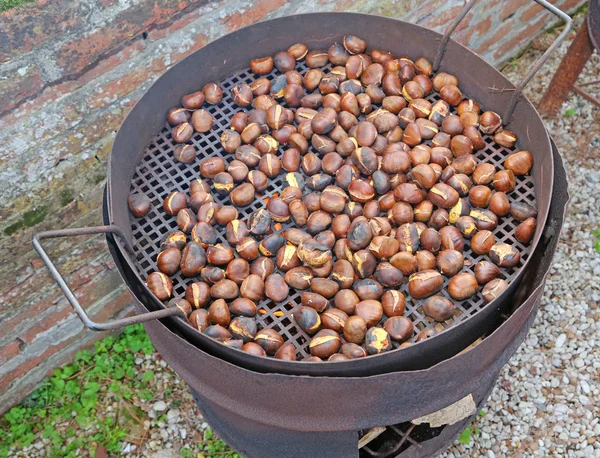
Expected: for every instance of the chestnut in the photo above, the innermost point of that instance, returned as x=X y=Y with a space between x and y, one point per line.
x=316 y=58
x=243 y=328
x=442 y=79
x=499 y=204
x=522 y=211
x=218 y=332
x=504 y=181
x=269 y=340
x=212 y=274
x=519 y=163
x=480 y=196
x=181 y=133
x=237 y=270
x=218 y=313
x=224 y=289
x=399 y=328
x=367 y=288
x=505 y=138
x=198 y=294
x=482 y=242
x=425 y=260
x=263 y=267
x=168 y=261
x=443 y=195
x=325 y=287
x=139 y=204
x=299 y=277
x=524 y=231
x=298 y=51
x=438 y=308
x=450 y=262
x=352 y=351
x=405 y=262
x=202 y=120
x=484 y=219
x=355 y=329
x=254 y=349
x=334 y=319
x=325 y=343
x=354 y=44
x=377 y=341
x=493 y=289
x=307 y=319
x=462 y=286
x=452 y=239
x=199 y=319
x=160 y=285
x=174 y=202
x=242 y=195
x=184 y=154
x=193 y=259
x=178 y=115
x=276 y=288
x=235 y=231
x=243 y=307
x=252 y=288
x=271 y=244
x=504 y=255
x=393 y=303
x=467 y=226
x=424 y=283
x=486 y=271
x=490 y=122
x=213 y=94
x=286 y=352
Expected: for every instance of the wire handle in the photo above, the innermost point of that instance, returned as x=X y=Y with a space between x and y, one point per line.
x=81 y=313
x=538 y=64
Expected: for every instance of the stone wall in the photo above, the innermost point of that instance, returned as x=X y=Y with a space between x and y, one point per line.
x=69 y=74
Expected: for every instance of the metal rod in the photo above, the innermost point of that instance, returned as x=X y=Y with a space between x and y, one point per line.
x=586 y=95
x=542 y=60
x=538 y=64
x=81 y=313
x=449 y=31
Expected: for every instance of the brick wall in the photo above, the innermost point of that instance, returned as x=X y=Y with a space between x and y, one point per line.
x=69 y=73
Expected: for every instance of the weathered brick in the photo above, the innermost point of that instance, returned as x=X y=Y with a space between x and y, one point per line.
x=256 y=12
x=158 y=33
x=439 y=20
x=31 y=363
x=77 y=55
x=9 y=351
x=512 y=44
x=511 y=7
x=498 y=35
x=468 y=34
x=532 y=11
x=24 y=29
x=22 y=84
x=47 y=323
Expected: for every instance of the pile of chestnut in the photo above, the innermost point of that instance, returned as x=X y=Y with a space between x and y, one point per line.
x=381 y=184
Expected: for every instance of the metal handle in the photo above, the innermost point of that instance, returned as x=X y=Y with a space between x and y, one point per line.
x=81 y=313
x=541 y=61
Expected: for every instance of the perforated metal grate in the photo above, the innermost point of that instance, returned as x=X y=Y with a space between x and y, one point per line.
x=158 y=174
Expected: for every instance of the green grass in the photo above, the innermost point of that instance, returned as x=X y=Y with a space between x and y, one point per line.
x=596 y=234
x=73 y=402
x=6 y=5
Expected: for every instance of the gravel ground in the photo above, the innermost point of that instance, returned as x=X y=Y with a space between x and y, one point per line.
x=546 y=401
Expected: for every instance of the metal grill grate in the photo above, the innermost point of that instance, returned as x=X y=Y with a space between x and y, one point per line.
x=158 y=174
